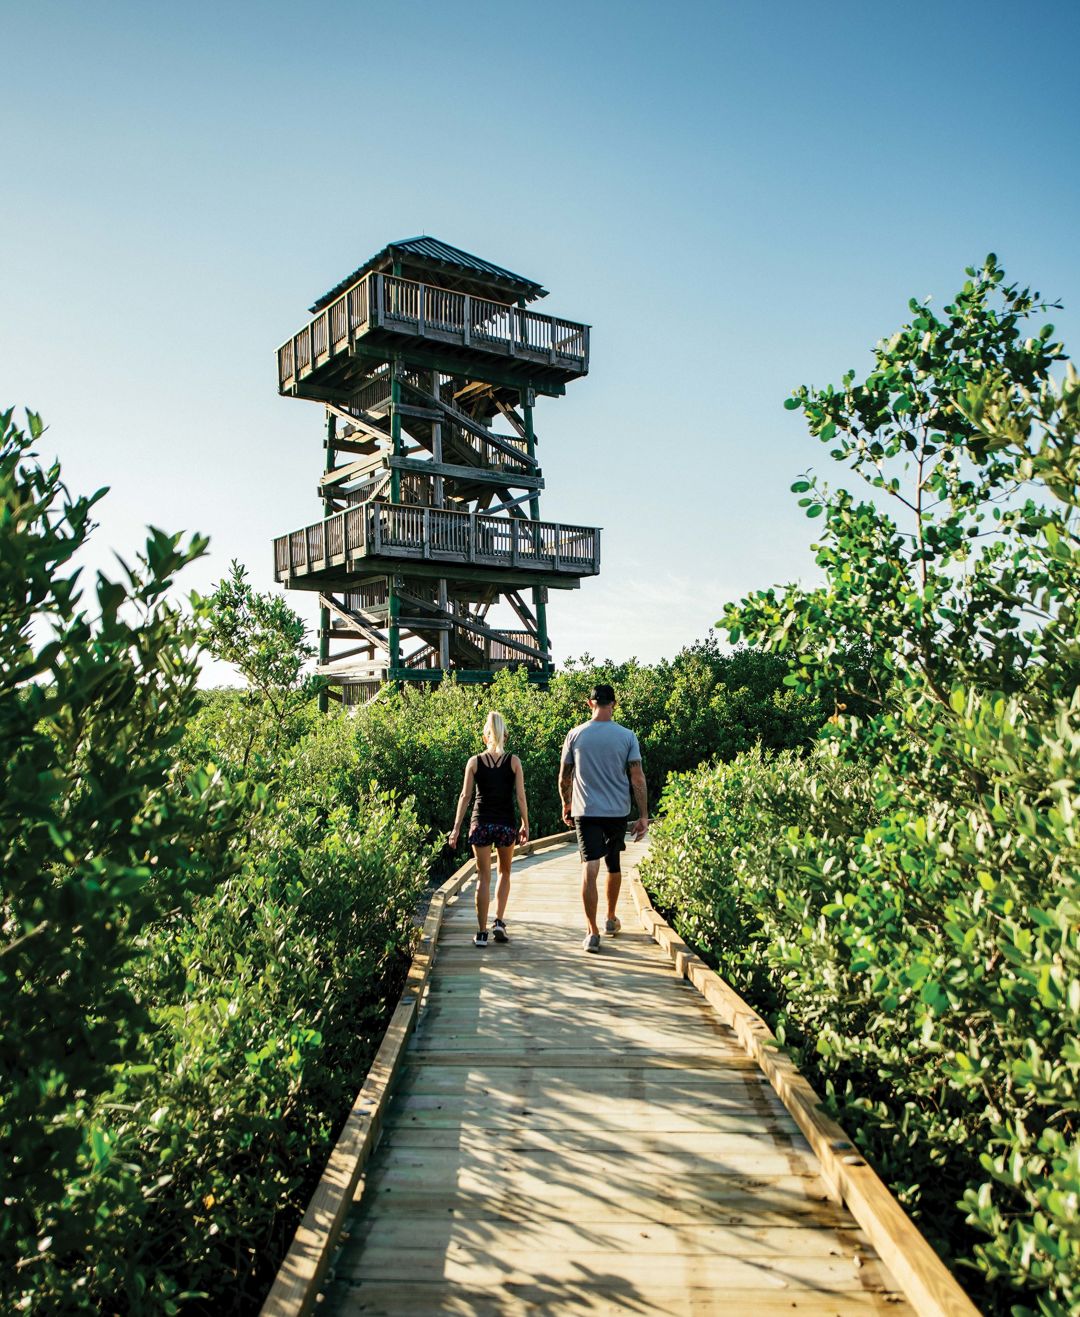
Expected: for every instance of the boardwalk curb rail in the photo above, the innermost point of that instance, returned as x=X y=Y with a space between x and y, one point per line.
x=925 y=1280
x=296 y=1286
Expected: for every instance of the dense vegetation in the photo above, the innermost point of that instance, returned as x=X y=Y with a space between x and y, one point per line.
x=700 y=705
x=195 y=954
x=905 y=903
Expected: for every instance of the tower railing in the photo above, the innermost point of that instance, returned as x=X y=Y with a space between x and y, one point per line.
x=379 y=301
x=398 y=531
x=495 y=651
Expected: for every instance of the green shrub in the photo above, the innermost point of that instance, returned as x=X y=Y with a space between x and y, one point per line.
x=100 y=840
x=922 y=962
x=729 y=849
x=205 y=917
x=290 y=970
x=927 y=962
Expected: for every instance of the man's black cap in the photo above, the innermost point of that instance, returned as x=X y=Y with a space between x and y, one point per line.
x=602 y=693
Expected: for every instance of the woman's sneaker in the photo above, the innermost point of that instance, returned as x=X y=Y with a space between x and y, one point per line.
x=480 y=940
x=592 y=942
x=498 y=930
x=612 y=927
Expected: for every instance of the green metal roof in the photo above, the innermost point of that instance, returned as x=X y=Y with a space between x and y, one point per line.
x=427 y=251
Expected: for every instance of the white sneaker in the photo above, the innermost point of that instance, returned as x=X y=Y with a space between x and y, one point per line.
x=612 y=927
x=592 y=942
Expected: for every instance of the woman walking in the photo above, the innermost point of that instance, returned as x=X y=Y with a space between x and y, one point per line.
x=495 y=777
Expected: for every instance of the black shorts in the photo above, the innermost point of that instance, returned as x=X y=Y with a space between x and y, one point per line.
x=604 y=838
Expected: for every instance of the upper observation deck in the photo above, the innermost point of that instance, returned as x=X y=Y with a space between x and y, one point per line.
x=449 y=310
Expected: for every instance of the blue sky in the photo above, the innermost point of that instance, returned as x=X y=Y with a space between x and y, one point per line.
x=739 y=198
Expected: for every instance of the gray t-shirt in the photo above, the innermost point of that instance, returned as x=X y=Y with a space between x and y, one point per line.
x=600 y=753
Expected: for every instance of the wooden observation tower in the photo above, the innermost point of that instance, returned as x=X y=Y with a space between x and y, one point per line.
x=428 y=364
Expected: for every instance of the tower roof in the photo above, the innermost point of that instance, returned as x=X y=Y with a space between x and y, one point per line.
x=457 y=268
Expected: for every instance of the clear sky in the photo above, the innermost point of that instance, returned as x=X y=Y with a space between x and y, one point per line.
x=738 y=197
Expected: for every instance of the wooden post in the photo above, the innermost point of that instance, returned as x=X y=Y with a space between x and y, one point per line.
x=395 y=427
x=439 y=496
x=439 y=486
x=393 y=631
x=444 y=636
x=377 y=313
x=324 y=613
x=539 y=594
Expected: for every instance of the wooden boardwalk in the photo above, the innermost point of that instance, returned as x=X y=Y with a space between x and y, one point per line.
x=577 y=1133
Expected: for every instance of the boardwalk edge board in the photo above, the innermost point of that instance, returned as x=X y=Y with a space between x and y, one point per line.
x=922 y=1276
x=299 y=1279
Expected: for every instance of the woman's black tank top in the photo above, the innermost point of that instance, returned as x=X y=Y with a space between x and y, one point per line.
x=494 y=791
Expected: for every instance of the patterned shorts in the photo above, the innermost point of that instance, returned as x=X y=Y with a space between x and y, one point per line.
x=493 y=834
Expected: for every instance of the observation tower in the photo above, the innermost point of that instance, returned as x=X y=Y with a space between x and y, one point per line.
x=428 y=364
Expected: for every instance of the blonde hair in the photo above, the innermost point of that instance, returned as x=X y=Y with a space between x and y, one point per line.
x=496 y=725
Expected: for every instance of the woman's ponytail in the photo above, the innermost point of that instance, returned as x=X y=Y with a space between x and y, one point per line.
x=496 y=725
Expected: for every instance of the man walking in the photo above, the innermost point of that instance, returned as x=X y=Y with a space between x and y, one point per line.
x=601 y=762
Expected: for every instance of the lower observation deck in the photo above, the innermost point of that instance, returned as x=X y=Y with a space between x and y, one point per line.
x=374 y=537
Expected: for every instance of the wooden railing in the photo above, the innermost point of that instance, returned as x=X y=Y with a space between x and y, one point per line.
x=370 y=595
x=359 y=691
x=496 y=651
x=490 y=454
x=426 y=659
x=406 y=305
x=444 y=309
x=394 y=530
x=372 y=395
x=375 y=394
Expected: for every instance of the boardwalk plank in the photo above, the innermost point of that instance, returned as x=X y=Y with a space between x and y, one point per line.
x=442 y=1299
x=647 y=1238
x=731 y=1200
x=576 y=1087
x=462 y=1264
x=705 y=1145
